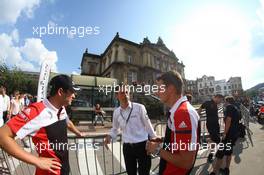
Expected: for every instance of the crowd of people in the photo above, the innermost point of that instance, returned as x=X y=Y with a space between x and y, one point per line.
x=47 y=122
x=11 y=105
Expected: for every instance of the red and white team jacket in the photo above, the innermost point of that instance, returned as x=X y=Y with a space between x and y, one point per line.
x=48 y=127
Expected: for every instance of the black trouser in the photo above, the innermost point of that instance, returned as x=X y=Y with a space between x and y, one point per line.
x=134 y=154
x=227 y=149
x=214 y=131
x=5 y=116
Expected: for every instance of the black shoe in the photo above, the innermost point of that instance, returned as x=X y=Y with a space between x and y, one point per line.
x=212 y=173
x=210 y=158
x=226 y=171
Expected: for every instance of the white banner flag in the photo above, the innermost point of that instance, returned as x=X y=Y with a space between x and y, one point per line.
x=43 y=80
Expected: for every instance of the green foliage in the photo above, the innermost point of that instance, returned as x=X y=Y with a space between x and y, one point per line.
x=252 y=93
x=15 y=79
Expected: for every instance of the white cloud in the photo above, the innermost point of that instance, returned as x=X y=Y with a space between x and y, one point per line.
x=216 y=40
x=27 y=57
x=11 y=55
x=260 y=13
x=11 y=10
x=36 y=52
x=15 y=35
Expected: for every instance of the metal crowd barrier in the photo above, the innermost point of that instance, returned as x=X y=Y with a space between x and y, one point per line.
x=88 y=156
x=161 y=126
x=246 y=118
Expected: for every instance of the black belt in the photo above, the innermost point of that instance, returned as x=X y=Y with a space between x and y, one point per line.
x=134 y=144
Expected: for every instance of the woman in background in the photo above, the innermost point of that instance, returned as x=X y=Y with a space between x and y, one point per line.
x=15 y=104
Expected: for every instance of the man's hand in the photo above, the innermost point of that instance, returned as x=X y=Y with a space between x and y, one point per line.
x=50 y=164
x=81 y=134
x=156 y=139
x=151 y=147
x=107 y=140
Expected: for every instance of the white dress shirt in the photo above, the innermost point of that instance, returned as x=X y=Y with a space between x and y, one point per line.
x=138 y=127
x=6 y=103
x=1 y=110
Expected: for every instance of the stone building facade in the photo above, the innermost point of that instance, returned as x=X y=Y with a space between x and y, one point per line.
x=192 y=88
x=223 y=87
x=236 y=86
x=205 y=87
x=130 y=62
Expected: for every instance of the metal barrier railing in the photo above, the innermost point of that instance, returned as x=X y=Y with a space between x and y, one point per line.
x=93 y=158
x=246 y=117
x=161 y=126
x=88 y=156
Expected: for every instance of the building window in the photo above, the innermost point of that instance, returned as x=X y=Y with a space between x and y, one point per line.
x=201 y=85
x=165 y=65
x=129 y=58
x=224 y=87
x=103 y=65
x=218 y=88
x=131 y=77
x=172 y=67
x=116 y=54
x=157 y=63
x=92 y=68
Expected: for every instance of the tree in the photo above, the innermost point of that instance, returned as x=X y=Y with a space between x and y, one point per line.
x=15 y=79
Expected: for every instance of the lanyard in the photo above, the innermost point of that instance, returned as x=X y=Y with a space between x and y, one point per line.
x=59 y=112
x=128 y=114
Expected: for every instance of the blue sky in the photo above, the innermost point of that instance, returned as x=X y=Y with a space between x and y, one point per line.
x=222 y=38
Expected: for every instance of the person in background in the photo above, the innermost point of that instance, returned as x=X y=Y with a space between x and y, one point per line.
x=22 y=103
x=31 y=99
x=1 y=107
x=99 y=114
x=15 y=104
x=6 y=105
x=231 y=134
x=212 y=121
x=189 y=98
x=26 y=100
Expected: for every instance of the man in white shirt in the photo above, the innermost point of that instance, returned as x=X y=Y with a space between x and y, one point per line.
x=132 y=119
x=1 y=107
x=6 y=104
